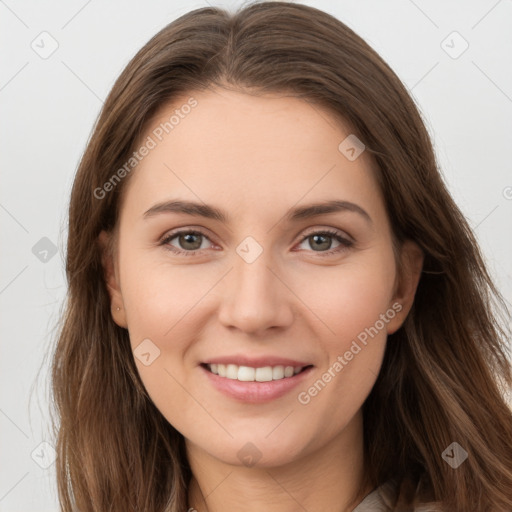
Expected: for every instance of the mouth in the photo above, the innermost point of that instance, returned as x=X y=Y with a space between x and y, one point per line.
x=255 y=385
x=255 y=374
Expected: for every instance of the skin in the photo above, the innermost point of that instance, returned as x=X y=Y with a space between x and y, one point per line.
x=256 y=157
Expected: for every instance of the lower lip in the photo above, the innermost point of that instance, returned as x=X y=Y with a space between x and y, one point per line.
x=255 y=392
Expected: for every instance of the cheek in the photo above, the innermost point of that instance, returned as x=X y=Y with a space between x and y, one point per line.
x=353 y=346
x=350 y=297
x=355 y=312
x=162 y=303
x=160 y=297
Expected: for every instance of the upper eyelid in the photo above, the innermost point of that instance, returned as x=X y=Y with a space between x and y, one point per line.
x=178 y=231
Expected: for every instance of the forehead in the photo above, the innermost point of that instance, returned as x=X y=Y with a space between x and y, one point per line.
x=246 y=149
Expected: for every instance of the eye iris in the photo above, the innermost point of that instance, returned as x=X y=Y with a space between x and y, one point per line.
x=185 y=239
x=325 y=245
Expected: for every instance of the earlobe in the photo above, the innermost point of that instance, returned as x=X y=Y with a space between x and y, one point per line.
x=412 y=258
x=111 y=279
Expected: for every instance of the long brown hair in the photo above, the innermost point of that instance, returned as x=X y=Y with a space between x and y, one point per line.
x=445 y=371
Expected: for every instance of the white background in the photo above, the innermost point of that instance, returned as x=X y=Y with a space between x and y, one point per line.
x=48 y=107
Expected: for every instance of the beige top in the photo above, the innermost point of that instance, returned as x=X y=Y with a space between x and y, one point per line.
x=382 y=499
x=376 y=501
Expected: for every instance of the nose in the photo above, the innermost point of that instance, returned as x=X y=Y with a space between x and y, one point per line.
x=255 y=297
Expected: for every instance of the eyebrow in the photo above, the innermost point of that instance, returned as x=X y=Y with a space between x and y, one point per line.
x=295 y=214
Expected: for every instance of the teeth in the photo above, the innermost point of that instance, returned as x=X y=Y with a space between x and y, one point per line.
x=249 y=374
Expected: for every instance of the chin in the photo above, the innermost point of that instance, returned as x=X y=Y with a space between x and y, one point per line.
x=258 y=452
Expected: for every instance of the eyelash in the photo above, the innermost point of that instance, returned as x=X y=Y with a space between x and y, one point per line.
x=345 y=244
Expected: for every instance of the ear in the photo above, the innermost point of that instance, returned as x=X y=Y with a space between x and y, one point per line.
x=406 y=283
x=110 y=273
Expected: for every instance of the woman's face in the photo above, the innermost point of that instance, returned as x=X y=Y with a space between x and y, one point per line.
x=254 y=280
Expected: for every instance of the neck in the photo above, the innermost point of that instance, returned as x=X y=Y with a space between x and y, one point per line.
x=325 y=480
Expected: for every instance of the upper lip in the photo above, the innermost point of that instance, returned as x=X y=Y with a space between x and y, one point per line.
x=255 y=362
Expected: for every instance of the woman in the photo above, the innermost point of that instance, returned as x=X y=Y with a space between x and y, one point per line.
x=274 y=303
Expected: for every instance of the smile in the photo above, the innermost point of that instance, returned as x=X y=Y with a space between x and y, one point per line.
x=250 y=374
x=240 y=382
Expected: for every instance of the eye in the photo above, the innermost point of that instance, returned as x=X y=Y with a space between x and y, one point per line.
x=190 y=241
x=323 y=240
